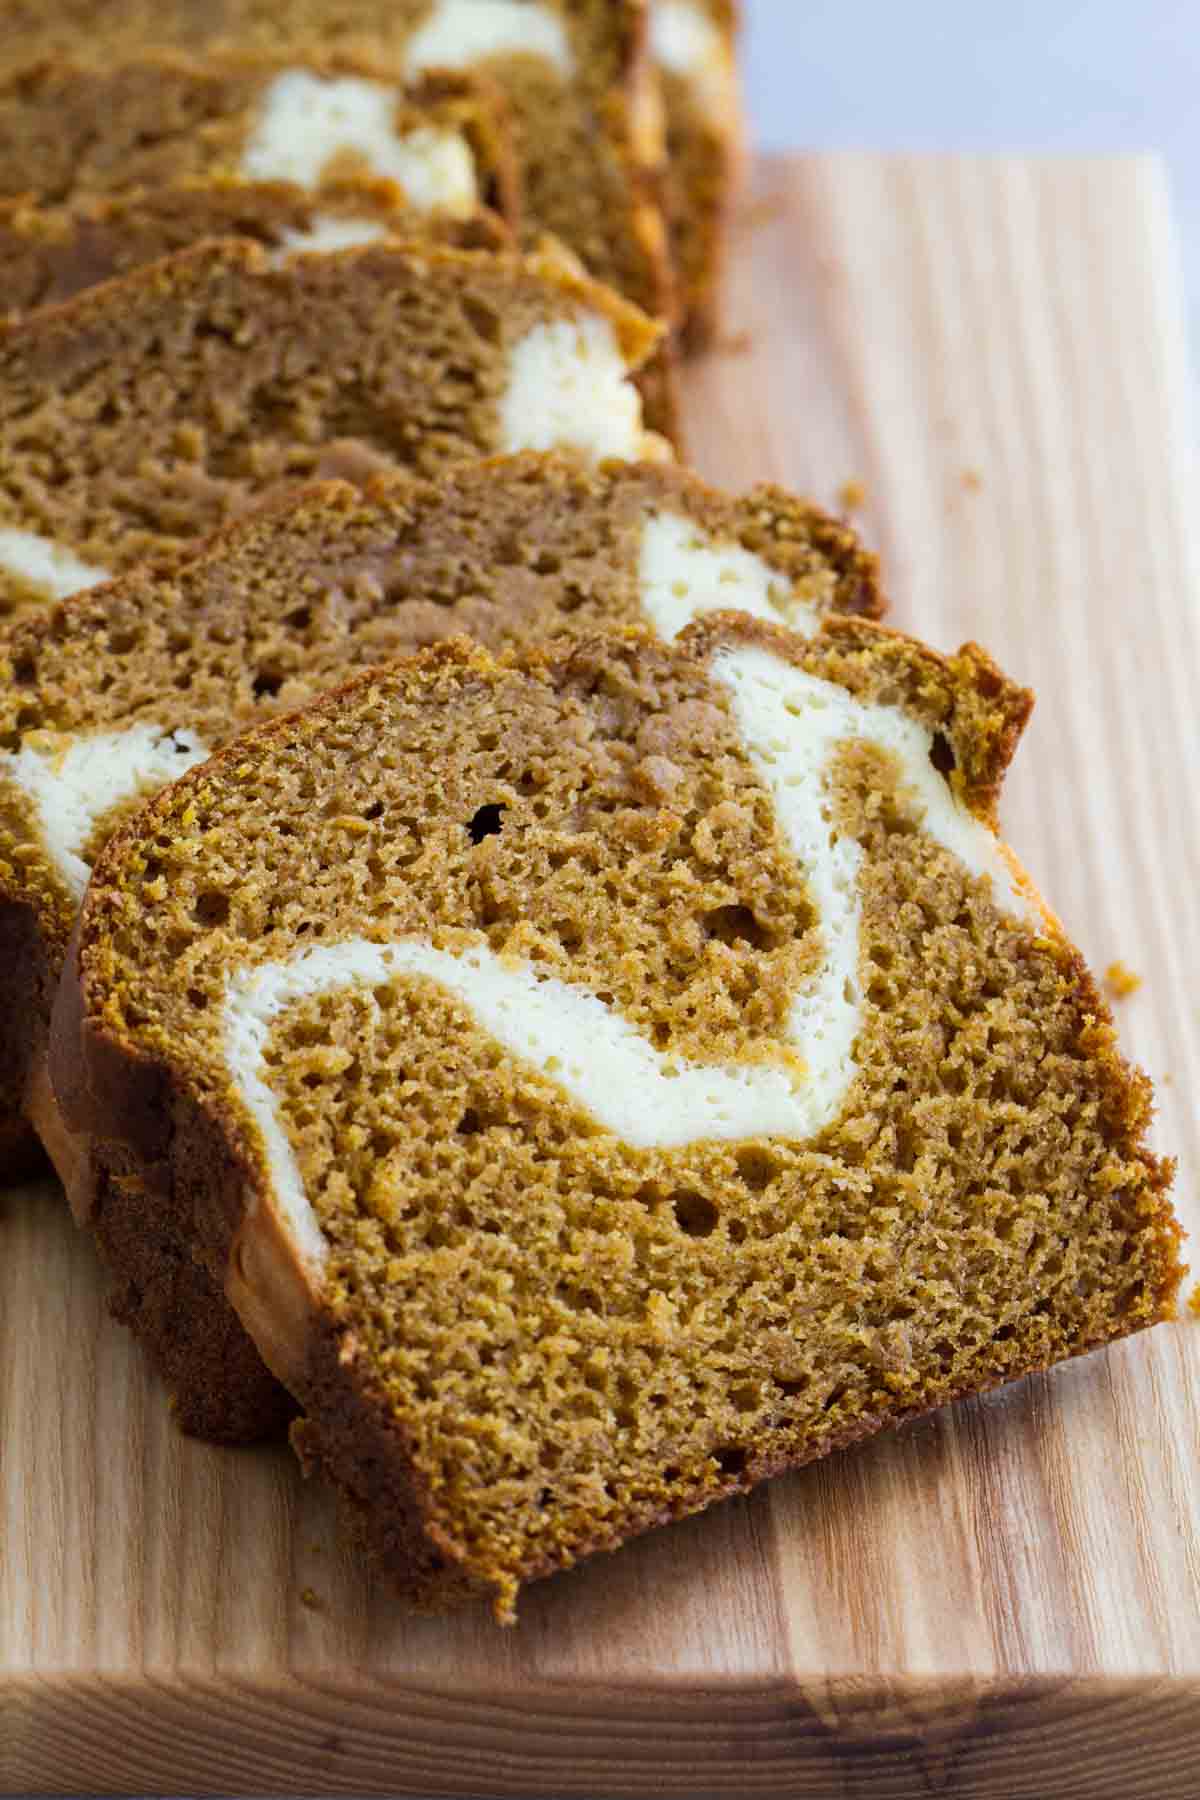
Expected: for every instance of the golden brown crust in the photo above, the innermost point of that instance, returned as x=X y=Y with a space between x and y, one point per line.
x=1046 y=1235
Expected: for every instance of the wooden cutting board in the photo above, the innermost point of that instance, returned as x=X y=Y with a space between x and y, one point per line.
x=1001 y=1603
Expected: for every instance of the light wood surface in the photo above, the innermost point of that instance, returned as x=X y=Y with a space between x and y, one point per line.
x=1002 y=1603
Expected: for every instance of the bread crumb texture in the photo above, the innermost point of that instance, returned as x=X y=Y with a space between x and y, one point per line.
x=535 y=1339
x=512 y=551
x=574 y=116
x=143 y=415
x=71 y=133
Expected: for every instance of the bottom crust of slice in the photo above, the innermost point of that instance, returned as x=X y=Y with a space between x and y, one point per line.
x=221 y=1390
x=27 y=995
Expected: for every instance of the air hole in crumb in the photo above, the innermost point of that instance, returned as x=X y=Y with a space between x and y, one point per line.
x=757 y=1169
x=211 y=909
x=546 y=563
x=486 y=823
x=797 y=1385
x=469 y=1125
x=25 y=671
x=300 y=619
x=738 y=1232
x=484 y=322
x=737 y=925
x=695 y=1215
x=746 y=1398
x=568 y=934
x=730 y=1461
x=374 y=811
x=267 y=684
x=941 y=754
x=671 y=1473
x=197 y=1000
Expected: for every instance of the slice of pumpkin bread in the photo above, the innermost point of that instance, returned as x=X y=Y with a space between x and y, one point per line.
x=577 y=75
x=695 y=48
x=108 y=695
x=140 y=416
x=49 y=254
x=604 y=1078
x=70 y=132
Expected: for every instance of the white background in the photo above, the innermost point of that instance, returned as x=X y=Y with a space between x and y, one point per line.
x=990 y=75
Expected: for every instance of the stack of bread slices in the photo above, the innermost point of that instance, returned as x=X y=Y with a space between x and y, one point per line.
x=511 y=959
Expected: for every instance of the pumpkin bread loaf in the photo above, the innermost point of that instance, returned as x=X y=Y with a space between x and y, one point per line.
x=109 y=169
x=70 y=132
x=49 y=254
x=695 y=48
x=577 y=76
x=604 y=1078
x=107 y=695
x=140 y=416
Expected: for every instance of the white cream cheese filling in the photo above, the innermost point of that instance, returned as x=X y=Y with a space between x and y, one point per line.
x=569 y=388
x=792 y=724
x=684 y=573
x=687 y=42
x=459 y=33
x=49 y=567
x=73 y=781
x=326 y=233
x=307 y=120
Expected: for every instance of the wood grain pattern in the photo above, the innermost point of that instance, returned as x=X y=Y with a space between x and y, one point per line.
x=1001 y=1603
